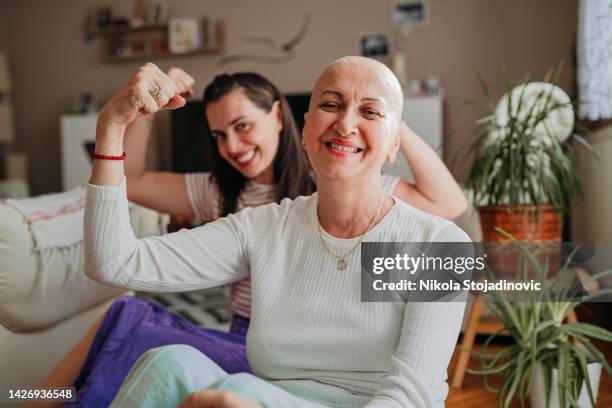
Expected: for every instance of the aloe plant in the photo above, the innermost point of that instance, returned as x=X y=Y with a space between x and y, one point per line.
x=541 y=335
x=516 y=167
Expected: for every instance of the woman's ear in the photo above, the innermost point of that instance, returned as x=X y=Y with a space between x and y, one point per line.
x=395 y=145
x=276 y=108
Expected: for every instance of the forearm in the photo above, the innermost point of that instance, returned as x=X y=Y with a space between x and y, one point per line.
x=432 y=178
x=135 y=143
x=109 y=141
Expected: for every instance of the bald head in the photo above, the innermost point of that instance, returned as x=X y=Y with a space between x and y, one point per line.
x=355 y=68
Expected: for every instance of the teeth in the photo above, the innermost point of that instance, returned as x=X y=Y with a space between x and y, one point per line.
x=246 y=157
x=344 y=149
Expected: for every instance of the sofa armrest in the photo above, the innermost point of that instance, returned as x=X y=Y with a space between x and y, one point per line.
x=33 y=297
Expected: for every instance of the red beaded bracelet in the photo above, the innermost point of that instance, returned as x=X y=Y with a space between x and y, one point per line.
x=95 y=155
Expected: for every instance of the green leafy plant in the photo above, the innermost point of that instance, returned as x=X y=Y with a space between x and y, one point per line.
x=541 y=336
x=513 y=164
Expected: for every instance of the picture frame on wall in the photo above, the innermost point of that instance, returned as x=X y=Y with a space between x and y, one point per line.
x=184 y=35
x=406 y=15
x=375 y=45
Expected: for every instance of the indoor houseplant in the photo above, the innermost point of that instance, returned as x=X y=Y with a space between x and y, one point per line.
x=546 y=350
x=524 y=177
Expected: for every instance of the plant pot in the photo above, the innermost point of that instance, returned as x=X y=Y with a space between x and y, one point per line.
x=522 y=223
x=543 y=232
x=537 y=397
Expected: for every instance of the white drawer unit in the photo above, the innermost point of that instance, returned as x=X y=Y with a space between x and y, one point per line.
x=78 y=134
x=424 y=115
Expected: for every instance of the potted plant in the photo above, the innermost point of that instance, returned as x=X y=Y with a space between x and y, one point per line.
x=524 y=176
x=552 y=361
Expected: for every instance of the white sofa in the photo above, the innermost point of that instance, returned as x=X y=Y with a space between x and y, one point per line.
x=43 y=315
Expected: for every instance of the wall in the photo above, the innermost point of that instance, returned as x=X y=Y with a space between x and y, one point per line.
x=469 y=36
x=3 y=26
x=52 y=64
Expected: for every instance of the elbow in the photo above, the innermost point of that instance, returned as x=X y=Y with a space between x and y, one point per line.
x=93 y=269
x=458 y=207
x=98 y=266
x=104 y=275
x=93 y=274
x=133 y=181
x=450 y=210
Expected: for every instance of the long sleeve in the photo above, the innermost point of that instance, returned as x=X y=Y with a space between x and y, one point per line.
x=418 y=368
x=208 y=256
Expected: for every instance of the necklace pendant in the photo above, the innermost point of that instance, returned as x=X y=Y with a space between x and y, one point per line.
x=341 y=264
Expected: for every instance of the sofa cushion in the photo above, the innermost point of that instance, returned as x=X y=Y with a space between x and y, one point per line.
x=33 y=297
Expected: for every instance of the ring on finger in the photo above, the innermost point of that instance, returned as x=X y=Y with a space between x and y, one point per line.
x=157 y=93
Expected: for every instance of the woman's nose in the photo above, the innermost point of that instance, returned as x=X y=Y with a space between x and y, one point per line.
x=346 y=124
x=232 y=142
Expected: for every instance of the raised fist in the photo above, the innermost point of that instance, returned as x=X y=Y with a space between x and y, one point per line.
x=183 y=81
x=147 y=91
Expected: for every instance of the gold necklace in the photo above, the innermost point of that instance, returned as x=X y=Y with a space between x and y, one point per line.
x=341 y=265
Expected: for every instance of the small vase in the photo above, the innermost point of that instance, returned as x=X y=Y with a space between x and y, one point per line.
x=537 y=397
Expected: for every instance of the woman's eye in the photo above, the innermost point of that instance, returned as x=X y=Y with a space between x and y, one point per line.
x=242 y=127
x=329 y=106
x=218 y=136
x=371 y=112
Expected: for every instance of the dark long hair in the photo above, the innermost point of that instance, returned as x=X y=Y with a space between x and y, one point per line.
x=291 y=168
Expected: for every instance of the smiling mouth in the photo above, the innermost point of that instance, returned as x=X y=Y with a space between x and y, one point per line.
x=343 y=149
x=245 y=158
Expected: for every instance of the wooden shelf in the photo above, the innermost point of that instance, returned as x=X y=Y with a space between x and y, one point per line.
x=162 y=55
x=150 y=42
x=122 y=31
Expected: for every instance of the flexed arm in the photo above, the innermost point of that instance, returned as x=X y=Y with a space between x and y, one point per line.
x=146 y=92
x=161 y=191
x=208 y=256
x=435 y=189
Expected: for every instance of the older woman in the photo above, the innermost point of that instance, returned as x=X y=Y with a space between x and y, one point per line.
x=311 y=340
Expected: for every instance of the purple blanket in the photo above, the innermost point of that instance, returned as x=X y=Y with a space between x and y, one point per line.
x=133 y=326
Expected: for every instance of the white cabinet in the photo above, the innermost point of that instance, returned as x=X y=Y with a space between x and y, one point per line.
x=78 y=134
x=424 y=115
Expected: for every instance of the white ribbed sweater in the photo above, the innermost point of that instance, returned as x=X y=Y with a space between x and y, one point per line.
x=308 y=325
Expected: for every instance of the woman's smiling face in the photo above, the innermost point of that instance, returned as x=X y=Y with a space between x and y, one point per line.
x=247 y=136
x=352 y=122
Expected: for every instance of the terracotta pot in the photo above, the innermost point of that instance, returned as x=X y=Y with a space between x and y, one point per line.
x=522 y=223
x=527 y=227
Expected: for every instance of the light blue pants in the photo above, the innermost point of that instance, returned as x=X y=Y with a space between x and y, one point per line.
x=165 y=376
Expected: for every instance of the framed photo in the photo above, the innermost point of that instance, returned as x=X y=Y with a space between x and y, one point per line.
x=184 y=35
x=376 y=45
x=409 y=14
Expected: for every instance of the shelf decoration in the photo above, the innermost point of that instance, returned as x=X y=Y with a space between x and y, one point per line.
x=154 y=38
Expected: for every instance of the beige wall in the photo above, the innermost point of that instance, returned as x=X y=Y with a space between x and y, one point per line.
x=469 y=36
x=3 y=26
x=52 y=64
